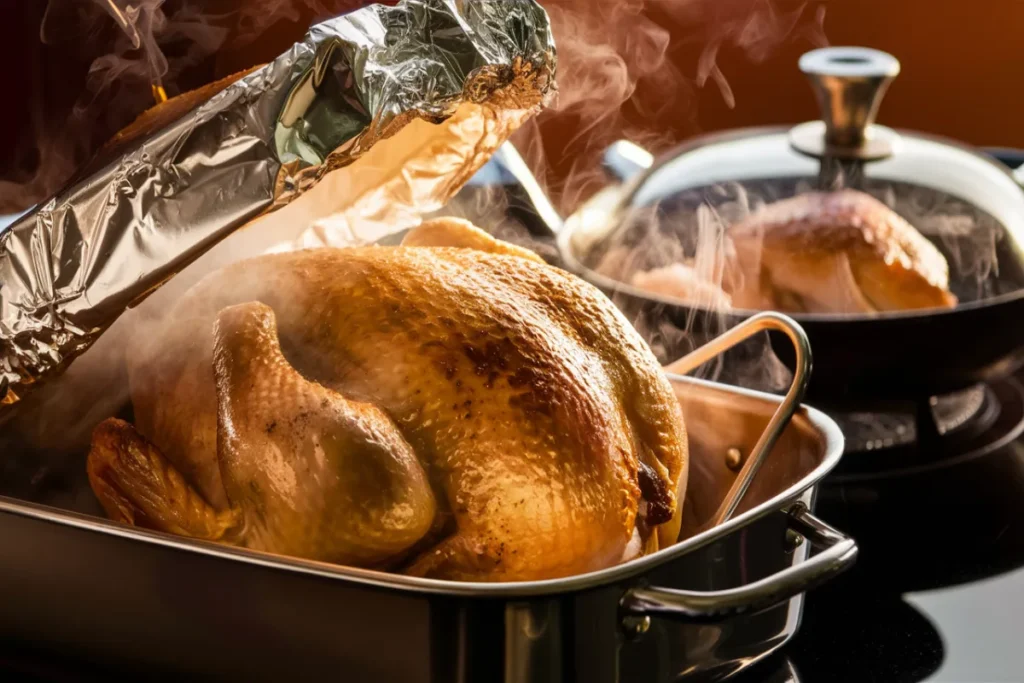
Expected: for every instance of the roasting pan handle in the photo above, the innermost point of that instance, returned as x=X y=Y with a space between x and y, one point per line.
x=780 y=420
x=837 y=554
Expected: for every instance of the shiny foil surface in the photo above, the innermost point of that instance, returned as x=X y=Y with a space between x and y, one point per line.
x=169 y=188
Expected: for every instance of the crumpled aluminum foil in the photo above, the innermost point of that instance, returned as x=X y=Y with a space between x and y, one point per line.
x=172 y=186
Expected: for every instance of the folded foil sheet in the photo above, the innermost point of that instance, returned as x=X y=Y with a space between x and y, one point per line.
x=188 y=174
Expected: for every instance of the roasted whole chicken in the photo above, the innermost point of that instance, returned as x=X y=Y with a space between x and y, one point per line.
x=823 y=252
x=458 y=412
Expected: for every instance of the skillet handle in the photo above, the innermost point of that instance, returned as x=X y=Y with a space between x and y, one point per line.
x=624 y=160
x=509 y=166
x=837 y=553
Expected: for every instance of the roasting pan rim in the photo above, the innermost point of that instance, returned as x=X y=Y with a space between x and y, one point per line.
x=825 y=428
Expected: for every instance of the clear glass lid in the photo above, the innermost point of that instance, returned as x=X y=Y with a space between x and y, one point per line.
x=768 y=218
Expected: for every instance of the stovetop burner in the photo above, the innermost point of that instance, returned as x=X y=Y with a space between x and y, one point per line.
x=931 y=433
x=970 y=411
x=934 y=516
x=954 y=411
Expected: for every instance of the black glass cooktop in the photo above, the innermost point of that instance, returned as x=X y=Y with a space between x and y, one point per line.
x=937 y=594
x=964 y=634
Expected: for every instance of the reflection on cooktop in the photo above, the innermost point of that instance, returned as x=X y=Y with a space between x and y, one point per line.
x=852 y=637
x=981 y=629
x=966 y=634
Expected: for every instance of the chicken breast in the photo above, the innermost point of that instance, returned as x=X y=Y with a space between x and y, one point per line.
x=836 y=252
x=448 y=412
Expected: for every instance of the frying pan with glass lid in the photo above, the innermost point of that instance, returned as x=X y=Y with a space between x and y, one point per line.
x=966 y=210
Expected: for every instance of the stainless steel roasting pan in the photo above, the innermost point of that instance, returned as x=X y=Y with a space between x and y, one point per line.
x=149 y=605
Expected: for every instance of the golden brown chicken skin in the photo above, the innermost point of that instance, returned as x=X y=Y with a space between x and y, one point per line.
x=835 y=252
x=447 y=412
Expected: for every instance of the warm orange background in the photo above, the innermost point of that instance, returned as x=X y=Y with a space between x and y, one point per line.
x=963 y=69
x=962 y=64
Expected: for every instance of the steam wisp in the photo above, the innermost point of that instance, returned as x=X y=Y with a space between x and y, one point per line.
x=621 y=77
x=117 y=55
x=690 y=230
x=618 y=79
x=618 y=76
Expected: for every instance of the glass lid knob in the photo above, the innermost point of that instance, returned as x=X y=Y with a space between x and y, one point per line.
x=849 y=84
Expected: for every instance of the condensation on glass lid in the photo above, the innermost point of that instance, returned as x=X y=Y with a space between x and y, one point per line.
x=690 y=227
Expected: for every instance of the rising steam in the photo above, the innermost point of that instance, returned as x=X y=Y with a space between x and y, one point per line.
x=112 y=53
x=620 y=76
x=618 y=79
